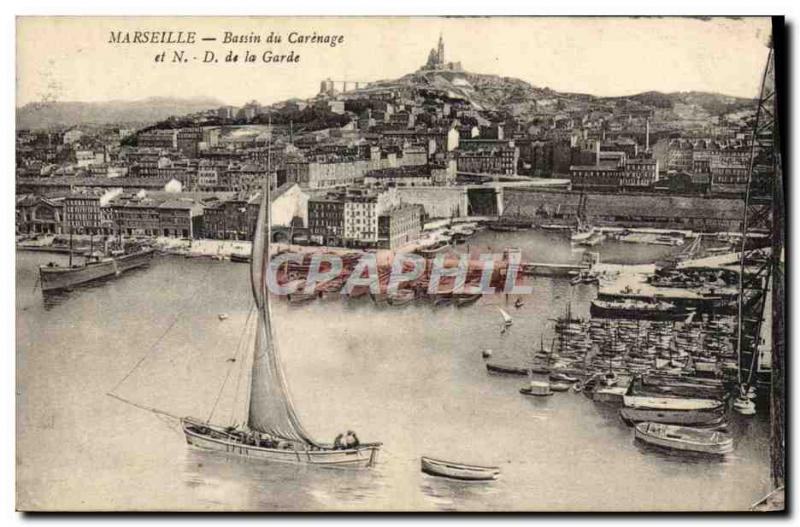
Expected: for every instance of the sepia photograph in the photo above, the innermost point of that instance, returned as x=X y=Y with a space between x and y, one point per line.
x=400 y=264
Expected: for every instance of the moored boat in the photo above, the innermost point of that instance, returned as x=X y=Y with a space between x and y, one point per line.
x=562 y=377
x=582 y=234
x=537 y=389
x=670 y=410
x=460 y=471
x=560 y=386
x=507 y=369
x=683 y=438
x=240 y=257
x=433 y=250
x=466 y=300
x=134 y=259
x=55 y=277
x=637 y=310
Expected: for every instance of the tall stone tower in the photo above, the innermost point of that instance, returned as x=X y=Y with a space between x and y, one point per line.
x=440 y=50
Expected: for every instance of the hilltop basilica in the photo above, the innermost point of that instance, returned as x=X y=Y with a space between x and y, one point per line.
x=436 y=59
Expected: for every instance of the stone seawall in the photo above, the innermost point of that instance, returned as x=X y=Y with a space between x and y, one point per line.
x=438 y=202
x=627 y=210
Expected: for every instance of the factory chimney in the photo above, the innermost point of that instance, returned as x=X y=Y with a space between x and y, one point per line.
x=647 y=135
x=597 y=153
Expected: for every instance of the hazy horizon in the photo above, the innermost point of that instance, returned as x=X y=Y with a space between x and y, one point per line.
x=226 y=103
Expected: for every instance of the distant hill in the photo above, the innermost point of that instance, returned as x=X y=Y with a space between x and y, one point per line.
x=713 y=103
x=492 y=92
x=153 y=109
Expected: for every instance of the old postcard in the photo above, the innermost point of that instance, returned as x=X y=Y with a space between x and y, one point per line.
x=400 y=264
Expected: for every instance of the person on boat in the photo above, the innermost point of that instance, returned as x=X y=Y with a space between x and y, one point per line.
x=350 y=440
x=337 y=443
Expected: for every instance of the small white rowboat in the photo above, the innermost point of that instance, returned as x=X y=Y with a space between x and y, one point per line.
x=448 y=469
x=684 y=438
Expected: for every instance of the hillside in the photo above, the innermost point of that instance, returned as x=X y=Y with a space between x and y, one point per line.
x=494 y=93
x=153 y=109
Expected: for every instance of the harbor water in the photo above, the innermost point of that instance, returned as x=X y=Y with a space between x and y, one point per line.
x=411 y=377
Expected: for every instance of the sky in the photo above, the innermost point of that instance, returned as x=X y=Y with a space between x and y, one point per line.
x=70 y=58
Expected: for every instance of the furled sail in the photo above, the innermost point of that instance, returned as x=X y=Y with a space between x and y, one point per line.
x=271 y=410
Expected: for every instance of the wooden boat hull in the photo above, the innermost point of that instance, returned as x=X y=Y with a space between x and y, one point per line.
x=608 y=394
x=57 y=278
x=676 y=417
x=240 y=258
x=400 y=300
x=666 y=389
x=598 y=311
x=132 y=261
x=684 y=439
x=507 y=370
x=360 y=457
x=459 y=471
x=531 y=393
x=467 y=300
x=301 y=298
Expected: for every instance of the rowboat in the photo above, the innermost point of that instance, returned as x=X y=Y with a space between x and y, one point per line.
x=433 y=250
x=507 y=369
x=670 y=410
x=582 y=234
x=562 y=377
x=684 y=438
x=608 y=394
x=460 y=471
x=240 y=257
x=466 y=300
x=560 y=386
x=537 y=389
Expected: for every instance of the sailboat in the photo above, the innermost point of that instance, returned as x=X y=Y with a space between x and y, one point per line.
x=273 y=431
x=507 y=320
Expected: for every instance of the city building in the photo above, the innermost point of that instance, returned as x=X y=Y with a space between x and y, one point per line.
x=39 y=215
x=499 y=160
x=82 y=210
x=326 y=219
x=157 y=214
x=399 y=226
x=158 y=139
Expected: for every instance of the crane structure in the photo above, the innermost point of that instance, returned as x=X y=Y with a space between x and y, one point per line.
x=761 y=269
